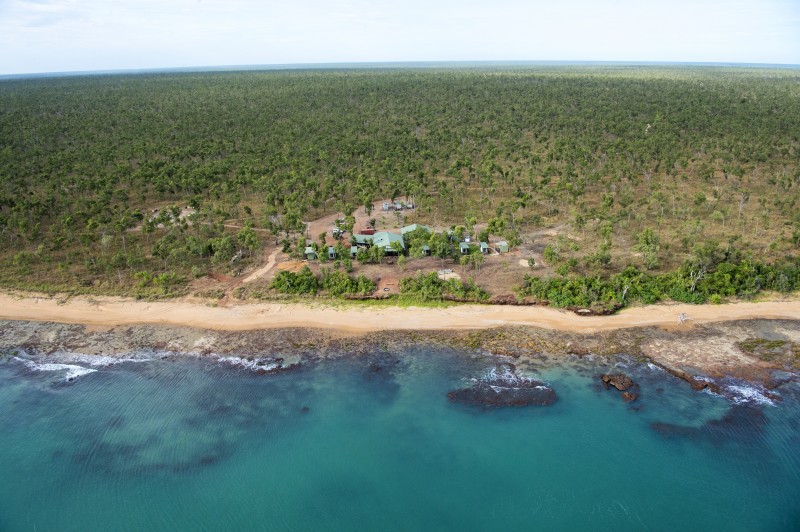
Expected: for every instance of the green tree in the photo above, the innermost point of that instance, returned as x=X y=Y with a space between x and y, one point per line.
x=248 y=238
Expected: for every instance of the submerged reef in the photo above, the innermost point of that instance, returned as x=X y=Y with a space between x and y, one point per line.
x=501 y=387
x=741 y=421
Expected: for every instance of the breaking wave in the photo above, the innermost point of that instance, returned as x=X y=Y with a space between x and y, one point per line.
x=741 y=393
x=503 y=386
x=72 y=371
x=252 y=364
x=68 y=357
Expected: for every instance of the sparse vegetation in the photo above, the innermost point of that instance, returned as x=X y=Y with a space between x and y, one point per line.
x=137 y=184
x=332 y=281
x=429 y=287
x=781 y=351
x=692 y=283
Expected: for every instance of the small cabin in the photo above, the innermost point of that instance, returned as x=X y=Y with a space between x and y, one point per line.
x=353 y=251
x=310 y=253
x=426 y=250
x=331 y=252
x=502 y=246
x=464 y=248
x=484 y=248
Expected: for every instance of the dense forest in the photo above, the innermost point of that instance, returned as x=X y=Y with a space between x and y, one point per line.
x=635 y=166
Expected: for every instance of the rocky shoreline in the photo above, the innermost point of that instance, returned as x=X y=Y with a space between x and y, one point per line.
x=766 y=352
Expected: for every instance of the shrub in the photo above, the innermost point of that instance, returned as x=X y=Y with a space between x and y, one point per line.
x=302 y=282
x=692 y=283
x=429 y=287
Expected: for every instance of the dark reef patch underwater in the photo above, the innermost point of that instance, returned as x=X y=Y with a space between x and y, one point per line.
x=394 y=439
x=503 y=386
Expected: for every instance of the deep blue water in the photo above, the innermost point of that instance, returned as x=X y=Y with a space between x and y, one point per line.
x=373 y=443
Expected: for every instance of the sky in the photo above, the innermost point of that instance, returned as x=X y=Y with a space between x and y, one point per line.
x=81 y=35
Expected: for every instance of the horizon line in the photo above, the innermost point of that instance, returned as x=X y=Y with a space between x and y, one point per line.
x=355 y=65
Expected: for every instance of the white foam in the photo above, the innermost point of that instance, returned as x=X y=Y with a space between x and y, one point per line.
x=93 y=360
x=742 y=394
x=256 y=364
x=507 y=379
x=505 y=376
x=73 y=372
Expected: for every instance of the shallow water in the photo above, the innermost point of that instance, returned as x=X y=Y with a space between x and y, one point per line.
x=373 y=443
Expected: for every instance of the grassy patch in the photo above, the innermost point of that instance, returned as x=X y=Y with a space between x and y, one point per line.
x=781 y=352
x=214 y=293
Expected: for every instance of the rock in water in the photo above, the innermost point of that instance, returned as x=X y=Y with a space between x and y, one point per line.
x=628 y=397
x=620 y=381
x=501 y=386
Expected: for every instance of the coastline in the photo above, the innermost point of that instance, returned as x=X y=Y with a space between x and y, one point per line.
x=713 y=342
x=113 y=312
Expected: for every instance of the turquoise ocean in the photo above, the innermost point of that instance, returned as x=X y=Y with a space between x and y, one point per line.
x=374 y=443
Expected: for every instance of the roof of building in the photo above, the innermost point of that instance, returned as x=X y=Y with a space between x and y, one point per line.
x=414 y=227
x=308 y=250
x=464 y=245
x=385 y=239
x=363 y=239
x=353 y=249
x=484 y=245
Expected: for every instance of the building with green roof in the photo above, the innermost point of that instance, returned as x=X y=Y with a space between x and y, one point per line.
x=362 y=240
x=385 y=239
x=414 y=227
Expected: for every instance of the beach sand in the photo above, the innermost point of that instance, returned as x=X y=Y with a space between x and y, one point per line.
x=709 y=340
x=109 y=311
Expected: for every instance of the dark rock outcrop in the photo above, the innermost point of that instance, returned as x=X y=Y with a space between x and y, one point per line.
x=700 y=385
x=629 y=397
x=502 y=387
x=620 y=381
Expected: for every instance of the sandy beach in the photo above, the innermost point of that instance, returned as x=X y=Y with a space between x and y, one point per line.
x=108 y=311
